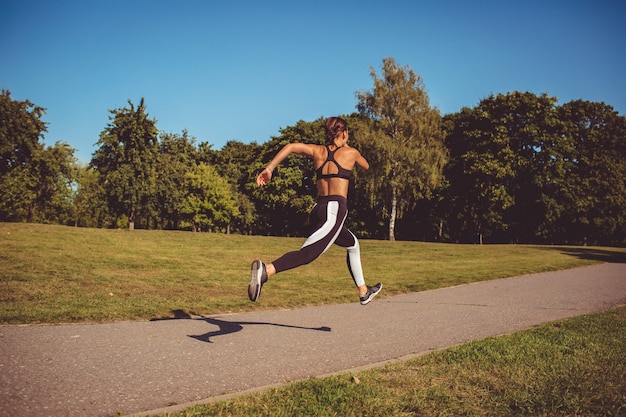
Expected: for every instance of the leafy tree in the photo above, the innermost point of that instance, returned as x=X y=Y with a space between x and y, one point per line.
x=479 y=171
x=210 y=203
x=525 y=170
x=233 y=160
x=176 y=159
x=20 y=130
x=504 y=161
x=233 y=163
x=206 y=154
x=247 y=218
x=531 y=124
x=17 y=195
x=536 y=138
x=127 y=161
x=55 y=169
x=34 y=180
x=594 y=188
x=90 y=203
x=407 y=155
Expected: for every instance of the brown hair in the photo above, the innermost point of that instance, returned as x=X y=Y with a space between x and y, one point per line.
x=334 y=126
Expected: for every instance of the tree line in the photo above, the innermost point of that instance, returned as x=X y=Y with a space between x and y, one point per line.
x=516 y=168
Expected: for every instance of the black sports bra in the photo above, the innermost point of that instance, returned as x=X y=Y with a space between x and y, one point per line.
x=341 y=171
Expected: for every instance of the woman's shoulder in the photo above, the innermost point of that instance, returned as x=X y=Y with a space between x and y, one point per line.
x=349 y=150
x=317 y=148
x=311 y=145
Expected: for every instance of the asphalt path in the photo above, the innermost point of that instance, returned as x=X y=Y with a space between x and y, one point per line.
x=142 y=368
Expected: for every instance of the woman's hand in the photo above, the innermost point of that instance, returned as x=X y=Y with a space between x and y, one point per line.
x=264 y=177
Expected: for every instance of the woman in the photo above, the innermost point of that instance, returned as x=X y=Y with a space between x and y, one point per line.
x=333 y=164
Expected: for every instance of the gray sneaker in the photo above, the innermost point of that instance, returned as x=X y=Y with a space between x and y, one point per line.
x=258 y=277
x=371 y=293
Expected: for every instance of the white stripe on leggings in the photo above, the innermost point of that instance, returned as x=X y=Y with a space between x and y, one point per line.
x=322 y=232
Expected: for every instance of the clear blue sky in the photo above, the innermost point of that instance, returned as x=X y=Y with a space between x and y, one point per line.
x=244 y=69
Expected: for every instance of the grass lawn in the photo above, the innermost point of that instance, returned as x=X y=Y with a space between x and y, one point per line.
x=57 y=274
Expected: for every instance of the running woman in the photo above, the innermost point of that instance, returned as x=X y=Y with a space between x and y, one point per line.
x=333 y=164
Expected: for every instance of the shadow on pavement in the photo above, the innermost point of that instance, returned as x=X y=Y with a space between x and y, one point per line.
x=228 y=327
x=593 y=254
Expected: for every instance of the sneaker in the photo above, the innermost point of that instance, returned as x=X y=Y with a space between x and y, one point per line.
x=258 y=277
x=371 y=293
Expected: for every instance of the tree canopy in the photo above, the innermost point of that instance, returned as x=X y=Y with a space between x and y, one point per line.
x=516 y=168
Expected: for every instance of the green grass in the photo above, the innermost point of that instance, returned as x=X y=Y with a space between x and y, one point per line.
x=573 y=367
x=56 y=274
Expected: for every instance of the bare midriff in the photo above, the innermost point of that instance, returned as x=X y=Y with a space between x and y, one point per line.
x=332 y=186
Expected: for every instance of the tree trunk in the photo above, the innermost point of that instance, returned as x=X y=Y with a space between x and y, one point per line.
x=392 y=218
x=440 y=230
x=31 y=213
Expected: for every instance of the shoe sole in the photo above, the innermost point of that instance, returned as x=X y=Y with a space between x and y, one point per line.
x=254 y=289
x=371 y=297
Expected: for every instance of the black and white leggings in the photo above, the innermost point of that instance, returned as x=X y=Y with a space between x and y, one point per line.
x=327 y=218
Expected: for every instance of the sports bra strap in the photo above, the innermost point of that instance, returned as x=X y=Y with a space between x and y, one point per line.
x=341 y=171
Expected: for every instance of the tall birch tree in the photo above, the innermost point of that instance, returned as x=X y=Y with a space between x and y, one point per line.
x=406 y=153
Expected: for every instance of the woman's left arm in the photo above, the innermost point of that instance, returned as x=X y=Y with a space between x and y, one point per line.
x=298 y=148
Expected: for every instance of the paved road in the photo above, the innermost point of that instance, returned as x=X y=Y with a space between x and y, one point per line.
x=140 y=368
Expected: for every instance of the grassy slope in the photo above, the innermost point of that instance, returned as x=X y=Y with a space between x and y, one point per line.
x=54 y=274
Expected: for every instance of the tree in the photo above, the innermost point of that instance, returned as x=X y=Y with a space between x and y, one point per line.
x=210 y=203
x=479 y=170
x=34 y=180
x=594 y=188
x=21 y=128
x=504 y=161
x=406 y=154
x=55 y=168
x=177 y=158
x=525 y=170
x=90 y=203
x=126 y=161
x=535 y=132
x=233 y=163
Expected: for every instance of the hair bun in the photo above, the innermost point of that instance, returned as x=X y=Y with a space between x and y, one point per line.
x=334 y=126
